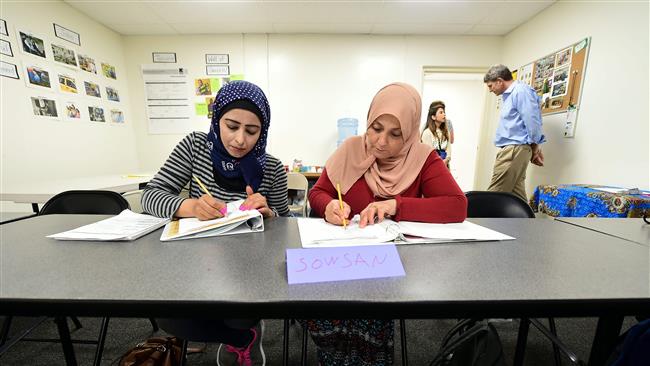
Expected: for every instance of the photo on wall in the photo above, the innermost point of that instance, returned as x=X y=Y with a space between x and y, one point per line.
x=38 y=76
x=64 y=55
x=9 y=70
x=31 y=44
x=561 y=75
x=72 y=111
x=559 y=89
x=92 y=89
x=87 y=63
x=563 y=57
x=96 y=114
x=68 y=84
x=112 y=94
x=109 y=71
x=209 y=101
x=117 y=116
x=44 y=107
x=3 y=28
x=202 y=86
x=5 y=48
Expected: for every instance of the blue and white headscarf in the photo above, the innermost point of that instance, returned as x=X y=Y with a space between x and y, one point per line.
x=251 y=166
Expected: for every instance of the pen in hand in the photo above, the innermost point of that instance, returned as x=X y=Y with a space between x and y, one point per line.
x=205 y=190
x=338 y=190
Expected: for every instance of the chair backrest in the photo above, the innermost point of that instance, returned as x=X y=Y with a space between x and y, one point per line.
x=496 y=204
x=134 y=198
x=85 y=202
x=298 y=182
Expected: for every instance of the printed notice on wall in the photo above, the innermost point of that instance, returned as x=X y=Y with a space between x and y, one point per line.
x=167 y=90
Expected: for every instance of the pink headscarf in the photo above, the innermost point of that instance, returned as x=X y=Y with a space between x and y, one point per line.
x=392 y=176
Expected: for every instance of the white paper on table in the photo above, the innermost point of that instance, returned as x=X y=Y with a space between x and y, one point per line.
x=128 y=225
x=317 y=233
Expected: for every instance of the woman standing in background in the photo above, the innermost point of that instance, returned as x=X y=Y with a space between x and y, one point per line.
x=436 y=134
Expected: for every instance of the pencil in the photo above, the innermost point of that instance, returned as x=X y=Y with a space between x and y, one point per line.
x=338 y=190
x=202 y=186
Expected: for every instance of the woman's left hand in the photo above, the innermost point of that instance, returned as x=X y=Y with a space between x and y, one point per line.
x=377 y=211
x=256 y=201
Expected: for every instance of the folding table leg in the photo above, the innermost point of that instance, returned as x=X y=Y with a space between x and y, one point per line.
x=66 y=342
x=522 y=339
x=100 y=341
x=285 y=344
x=402 y=331
x=607 y=332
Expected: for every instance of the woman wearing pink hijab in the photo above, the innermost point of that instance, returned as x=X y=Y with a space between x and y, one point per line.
x=387 y=172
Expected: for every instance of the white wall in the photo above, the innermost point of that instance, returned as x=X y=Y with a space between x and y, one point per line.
x=190 y=51
x=310 y=80
x=611 y=141
x=35 y=149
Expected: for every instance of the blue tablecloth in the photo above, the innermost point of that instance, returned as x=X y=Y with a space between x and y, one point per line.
x=582 y=200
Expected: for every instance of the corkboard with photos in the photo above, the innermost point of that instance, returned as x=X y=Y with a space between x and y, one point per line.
x=558 y=77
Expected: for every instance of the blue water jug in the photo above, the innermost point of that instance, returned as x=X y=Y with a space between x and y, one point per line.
x=347 y=127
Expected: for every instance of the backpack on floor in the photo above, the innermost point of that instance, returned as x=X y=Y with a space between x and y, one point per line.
x=634 y=349
x=471 y=342
x=158 y=351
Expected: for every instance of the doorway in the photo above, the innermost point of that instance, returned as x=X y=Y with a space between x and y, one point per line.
x=464 y=95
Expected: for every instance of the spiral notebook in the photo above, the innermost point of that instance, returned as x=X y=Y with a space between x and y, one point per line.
x=236 y=221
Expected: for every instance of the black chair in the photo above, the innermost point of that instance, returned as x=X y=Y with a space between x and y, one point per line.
x=503 y=204
x=73 y=202
x=85 y=202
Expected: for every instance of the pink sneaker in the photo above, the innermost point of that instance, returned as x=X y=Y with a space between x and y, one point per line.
x=251 y=355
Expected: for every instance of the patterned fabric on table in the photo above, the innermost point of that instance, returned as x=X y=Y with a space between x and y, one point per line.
x=583 y=200
x=352 y=342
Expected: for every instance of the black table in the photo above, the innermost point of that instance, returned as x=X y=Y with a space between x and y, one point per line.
x=551 y=270
x=631 y=229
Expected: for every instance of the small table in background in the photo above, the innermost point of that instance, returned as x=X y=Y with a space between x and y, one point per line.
x=586 y=200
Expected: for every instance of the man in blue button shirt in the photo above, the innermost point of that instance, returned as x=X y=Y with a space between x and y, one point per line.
x=519 y=133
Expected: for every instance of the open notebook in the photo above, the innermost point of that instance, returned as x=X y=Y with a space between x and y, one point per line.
x=128 y=225
x=317 y=233
x=236 y=221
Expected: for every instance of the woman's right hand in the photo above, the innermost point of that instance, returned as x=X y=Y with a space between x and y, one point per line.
x=334 y=215
x=203 y=208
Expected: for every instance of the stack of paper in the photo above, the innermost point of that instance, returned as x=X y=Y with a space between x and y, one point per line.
x=317 y=233
x=128 y=225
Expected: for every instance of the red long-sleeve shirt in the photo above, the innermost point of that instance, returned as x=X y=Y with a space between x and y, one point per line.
x=433 y=197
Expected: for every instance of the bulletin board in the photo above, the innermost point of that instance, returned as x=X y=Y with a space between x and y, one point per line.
x=558 y=77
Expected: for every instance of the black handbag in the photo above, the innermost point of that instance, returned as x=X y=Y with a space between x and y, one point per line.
x=471 y=342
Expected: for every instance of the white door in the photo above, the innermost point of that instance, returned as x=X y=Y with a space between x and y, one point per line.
x=464 y=96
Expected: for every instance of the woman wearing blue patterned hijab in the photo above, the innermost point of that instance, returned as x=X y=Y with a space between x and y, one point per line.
x=231 y=160
x=231 y=163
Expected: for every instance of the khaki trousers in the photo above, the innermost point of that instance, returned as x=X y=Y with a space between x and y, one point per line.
x=509 y=174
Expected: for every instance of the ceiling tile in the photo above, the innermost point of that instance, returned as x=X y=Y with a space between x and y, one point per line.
x=412 y=28
x=491 y=29
x=514 y=12
x=434 y=12
x=108 y=12
x=215 y=28
x=142 y=29
x=211 y=12
x=336 y=28
x=327 y=12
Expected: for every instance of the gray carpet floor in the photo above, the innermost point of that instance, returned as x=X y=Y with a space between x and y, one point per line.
x=423 y=340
